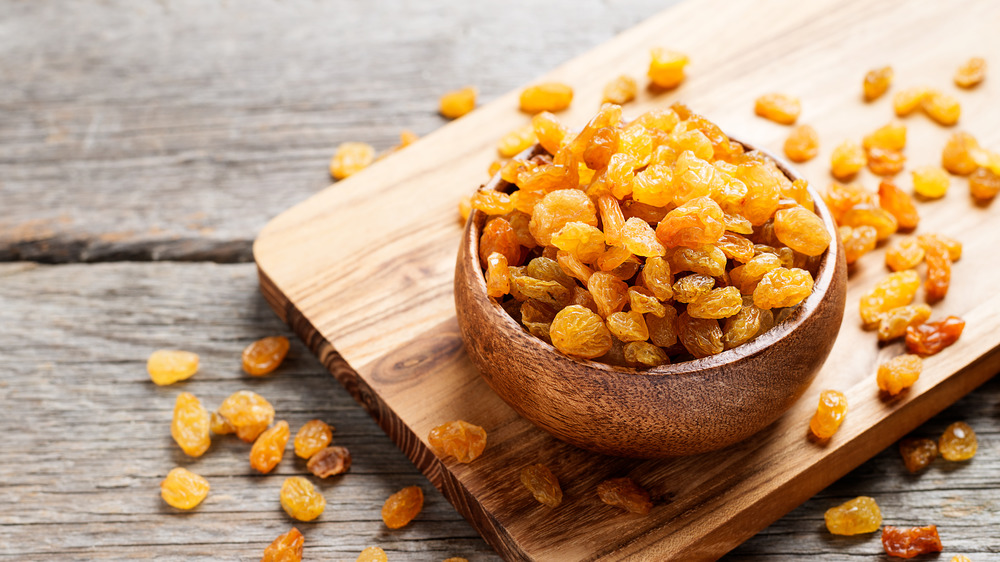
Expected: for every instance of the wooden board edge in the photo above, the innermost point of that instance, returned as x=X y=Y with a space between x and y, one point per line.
x=424 y=459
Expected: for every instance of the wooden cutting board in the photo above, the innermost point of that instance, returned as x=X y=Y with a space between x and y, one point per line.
x=363 y=272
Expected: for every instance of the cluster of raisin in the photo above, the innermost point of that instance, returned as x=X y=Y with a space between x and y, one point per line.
x=637 y=242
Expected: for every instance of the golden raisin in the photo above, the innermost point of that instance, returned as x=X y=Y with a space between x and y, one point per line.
x=666 y=67
x=693 y=224
x=167 y=366
x=689 y=288
x=847 y=160
x=459 y=439
x=542 y=484
x=891 y=136
x=745 y=325
x=351 y=158
x=190 y=425
x=782 y=287
x=183 y=489
x=285 y=548
x=220 y=425
x=895 y=322
x=621 y=90
x=854 y=517
x=898 y=203
x=402 y=507
x=895 y=290
x=457 y=103
x=700 y=336
x=931 y=182
x=269 y=448
x=717 y=303
x=801 y=230
x=904 y=253
x=300 y=500
x=248 y=412
x=497 y=275
x=882 y=162
x=941 y=107
x=931 y=337
x=548 y=96
x=877 y=82
x=984 y=184
x=958 y=442
x=802 y=144
x=329 y=462
x=829 y=414
x=857 y=241
x=644 y=354
x=908 y=100
x=918 y=453
x=864 y=214
x=971 y=72
x=626 y=494
x=780 y=108
x=313 y=436
x=899 y=373
x=960 y=154
x=516 y=141
x=580 y=332
x=938 y=269
x=914 y=541
x=628 y=326
x=372 y=554
x=558 y=208
x=265 y=355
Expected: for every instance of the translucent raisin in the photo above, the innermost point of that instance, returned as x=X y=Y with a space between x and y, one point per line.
x=167 y=366
x=542 y=484
x=264 y=355
x=780 y=108
x=497 y=275
x=958 y=442
x=329 y=462
x=548 y=96
x=300 y=500
x=628 y=326
x=700 y=336
x=907 y=101
x=891 y=136
x=895 y=322
x=626 y=494
x=918 y=453
x=882 y=162
x=493 y=202
x=911 y=542
x=183 y=489
x=706 y=260
x=984 y=184
x=643 y=300
x=899 y=204
x=621 y=90
x=248 y=412
x=938 y=269
x=854 y=517
x=584 y=241
x=841 y=198
x=931 y=182
x=782 y=287
x=459 y=439
x=717 y=303
x=350 y=158
x=457 y=103
x=847 y=160
x=954 y=247
x=802 y=144
x=829 y=414
x=971 y=72
x=666 y=68
x=899 y=373
x=190 y=425
x=269 y=448
x=580 y=332
x=499 y=236
x=610 y=293
x=402 y=507
x=372 y=554
x=516 y=141
x=652 y=186
x=941 y=107
x=550 y=132
x=857 y=241
x=904 y=253
x=877 y=82
x=895 y=290
x=558 y=208
x=689 y=288
x=662 y=331
x=313 y=436
x=745 y=325
x=931 y=337
x=601 y=147
x=285 y=548
x=801 y=230
x=864 y=214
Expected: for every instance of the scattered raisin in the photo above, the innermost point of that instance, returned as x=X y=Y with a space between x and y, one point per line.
x=626 y=494
x=542 y=484
x=183 y=489
x=167 y=366
x=265 y=355
x=854 y=517
x=941 y=107
x=402 y=507
x=372 y=554
x=351 y=158
x=895 y=322
x=847 y=160
x=666 y=68
x=459 y=439
x=269 y=448
x=780 y=108
x=829 y=414
x=971 y=72
x=285 y=548
x=300 y=500
x=907 y=101
x=898 y=203
x=931 y=182
x=457 y=103
x=899 y=373
x=802 y=144
x=984 y=184
x=190 y=425
x=329 y=462
x=931 y=337
x=877 y=82
x=313 y=436
x=914 y=541
x=958 y=442
x=548 y=96
x=621 y=90
x=918 y=453
x=248 y=412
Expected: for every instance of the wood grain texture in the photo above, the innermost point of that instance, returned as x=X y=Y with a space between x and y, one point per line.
x=383 y=301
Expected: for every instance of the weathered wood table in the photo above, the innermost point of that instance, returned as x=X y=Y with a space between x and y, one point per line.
x=142 y=146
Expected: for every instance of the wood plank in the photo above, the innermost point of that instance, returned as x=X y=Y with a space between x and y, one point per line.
x=173 y=131
x=366 y=269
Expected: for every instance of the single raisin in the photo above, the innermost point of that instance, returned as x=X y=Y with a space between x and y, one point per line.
x=644 y=354
x=899 y=373
x=285 y=548
x=401 y=507
x=167 y=366
x=931 y=337
x=802 y=144
x=329 y=462
x=542 y=484
x=941 y=107
x=780 y=108
x=190 y=425
x=700 y=336
x=960 y=154
x=854 y=517
x=666 y=68
x=300 y=500
x=459 y=439
x=801 y=230
x=782 y=287
x=621 y=90
x=895 y=322
x=971 y=72
x=350 y=158
x=626 y=494
x=183 y=489
x=931 y=182
x=372 y=554
x=877 y=82
x=958 y=442
x=313 y=436
x=847 y=160
x=516 y=141
x=548 y=96
x=918 y=453
x=248 y=412
x=907 y=101
x=984 y=184
x=911 y=542
x=269 y=448
x=457 y=103
x=829 y=414
x=899 y=204
x=265 y=355
x=904 y=253
x=895 y=290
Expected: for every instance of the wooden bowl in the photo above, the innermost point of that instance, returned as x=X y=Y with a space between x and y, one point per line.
x=673 y=410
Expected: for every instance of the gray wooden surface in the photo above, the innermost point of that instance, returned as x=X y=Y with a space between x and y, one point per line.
x=170 y=132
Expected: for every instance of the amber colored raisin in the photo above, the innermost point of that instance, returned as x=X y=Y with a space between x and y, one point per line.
x=745 y=325
x=857 y=241
x=895 y=290
x=941 y=107
x=854 y=517
x=313 y=436
x=689 y=288
x=584 y=241
x=847 y=160
x=693 y=224
x=558 y=208
x=666 y=67
x=918 y=453
x=220 y=425
x=891 y=136
x=960 y=558
x=717 y=303
x=954 y=247
x=883 y=162
x=801 y=230
x=372 y=554
x=931 y=337
x=984 y=184
x=958 y=442
x=183 y=489
x=459 y=439
x=285 y=548
x=628 y=326
x=911 y=542
x=621 y=90
x=841 y=198
x=248 y=412
x=300 y=500
x=904 y=253
x=265 y=355
x=516 y=141
x=269 y=448
x=644 y=301
x=497 y=275
x=542 y=484
x=895 y=322
x=864 y=214
x=877 y=82
x=493 y=202
x=931 y=182
x=906 y=101
x=899 y=204
x=626 y=494
x=457 y=103
x=610 y=293
x=829 y=414
x=662 y=331
x=401 y=507
x=602 y=146
x=938 y=269
x=167 y=366
x=960 y=154
x=580 y=332
x=329 y=462
x=780 y=108
x=899 y=373
x=499 y=236
x=350 y=158
x=802 y=144
x=782 y=287
x=971 y=72
x=644 y=354
x=700 y=336
x=548 y=96
x=190 y=425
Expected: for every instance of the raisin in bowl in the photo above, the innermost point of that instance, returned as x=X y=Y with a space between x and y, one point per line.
x=642 y=403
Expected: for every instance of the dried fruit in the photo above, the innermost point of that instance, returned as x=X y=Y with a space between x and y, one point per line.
x=931 y=337
x=895 y=290
x=847 y=160
x=248 y=412
x=960 y=154
x=628 y=326
x=402 y=507
x=864 y=214
x=313 y=436
x=626 y=494
x=891 y=136
x=220 y=425
x=802 y=144
x=857 y=241
x=899 y=373
x=644 y=354
x=931 y=182
x=621 y=90
x=329 y=462
x=183 y=489
x=666 y=67
x=265 y=355
x=801 y=230
x=938 y=268
x=372 y=554
x=548 y=96
x=167 y=366
x=542 y=484
x=918 y=453
x=580 y=332
x=499 y=236
x=285 y=548
x=854 y=517
x=908 y=100
x=557 y=209
x=269 y=448
x=904 y=253
x=941 y=107
x=300 y=500
x=190 y=425
x=459 y=439
x=883 y=162
x=984 y=184
x=971 y=72
x=895 y=322
x=877 y=82
x=782 y=287
x=914 y=541
x=516 y=141
x=958 y=442
x=457 y=103
x=351 y=158
x=898 y=203
x=780 y=108
x=829 y=415
x=689 y=288
x=716 y=303
x=954 y=247
x=746 y=325
x=700 y=336
x=694 y=224
x=497 y=275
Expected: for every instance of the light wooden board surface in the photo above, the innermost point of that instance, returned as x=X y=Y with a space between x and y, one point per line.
x=365 y=268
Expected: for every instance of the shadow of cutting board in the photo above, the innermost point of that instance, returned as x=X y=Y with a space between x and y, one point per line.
x=363 y=272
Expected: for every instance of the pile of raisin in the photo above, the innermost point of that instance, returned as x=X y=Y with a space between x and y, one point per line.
x=645 y=242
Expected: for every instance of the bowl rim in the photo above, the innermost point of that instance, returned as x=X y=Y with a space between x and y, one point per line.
x=821 y=285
